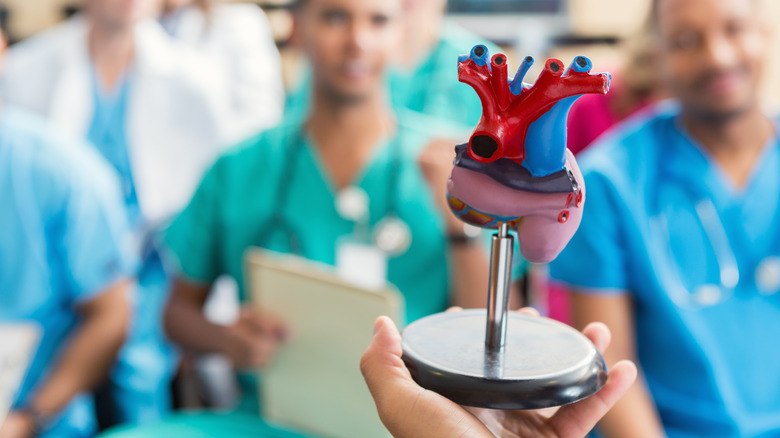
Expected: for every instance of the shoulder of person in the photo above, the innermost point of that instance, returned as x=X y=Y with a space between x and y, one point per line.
x=50 y=41
x=157 y=53
x=54 y=156
x=44 y=51
x=458 y=39
x=420 y=129
x=261 y=153
x=631 y=148
x=240 y=17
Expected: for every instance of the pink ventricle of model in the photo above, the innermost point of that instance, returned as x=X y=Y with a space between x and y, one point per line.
x=516 y=167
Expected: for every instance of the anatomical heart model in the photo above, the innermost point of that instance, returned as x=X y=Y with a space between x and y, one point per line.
x=514 y=174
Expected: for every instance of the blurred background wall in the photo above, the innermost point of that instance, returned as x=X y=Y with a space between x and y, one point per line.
x=598 y=29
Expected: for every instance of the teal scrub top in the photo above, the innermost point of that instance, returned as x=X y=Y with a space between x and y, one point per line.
x=710 y=361
x=232 y=210
x=432 y=86
x=64 y=238
x=198 y=424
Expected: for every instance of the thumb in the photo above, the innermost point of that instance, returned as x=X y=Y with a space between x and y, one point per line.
x=579 y=418
x=381 y=363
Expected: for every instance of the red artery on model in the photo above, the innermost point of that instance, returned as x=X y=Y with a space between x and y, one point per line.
x=505 y=116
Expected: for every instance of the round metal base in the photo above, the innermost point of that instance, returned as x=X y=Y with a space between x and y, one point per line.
x=544 y=363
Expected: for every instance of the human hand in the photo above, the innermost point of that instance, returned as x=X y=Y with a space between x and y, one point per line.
x=435 y=163
x=17 y=425
x=408 y=410
x=253 y=339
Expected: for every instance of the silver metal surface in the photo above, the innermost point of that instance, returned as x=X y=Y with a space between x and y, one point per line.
x=498 y=287
x=543 y=363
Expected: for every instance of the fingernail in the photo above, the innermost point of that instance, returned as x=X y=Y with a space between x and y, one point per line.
x=377 y=325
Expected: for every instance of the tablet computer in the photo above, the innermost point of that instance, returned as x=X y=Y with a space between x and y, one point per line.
x=314 y=383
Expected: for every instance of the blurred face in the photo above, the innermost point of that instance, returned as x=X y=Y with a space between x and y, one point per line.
x=349 y=43
x=118 y=13
x=712 y=54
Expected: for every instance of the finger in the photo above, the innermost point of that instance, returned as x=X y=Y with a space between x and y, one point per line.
x=250 y=318
x=530 y=311
x=265 y=322
x=599 y=334
x=381 y=363
x=577 y=419
x=454 y=309
x=263 y=352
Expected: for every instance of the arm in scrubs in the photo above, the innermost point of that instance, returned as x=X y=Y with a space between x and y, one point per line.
x=660 y=230
x=234 y=209
x=63 y=246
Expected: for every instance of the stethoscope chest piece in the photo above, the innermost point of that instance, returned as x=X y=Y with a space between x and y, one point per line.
x=768 y=275
x=352 y=203
x=708 y=295
x=392 y=235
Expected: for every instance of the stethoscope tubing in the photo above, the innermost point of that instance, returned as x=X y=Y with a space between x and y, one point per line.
x=293 y=148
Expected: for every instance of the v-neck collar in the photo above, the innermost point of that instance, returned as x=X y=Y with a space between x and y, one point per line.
x=692 y=163
x=751 y=237
x=379 y=149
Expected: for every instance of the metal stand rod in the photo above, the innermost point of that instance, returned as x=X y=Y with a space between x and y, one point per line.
x=498 y=288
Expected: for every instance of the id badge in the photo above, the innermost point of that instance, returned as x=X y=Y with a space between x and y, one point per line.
x=361 y=264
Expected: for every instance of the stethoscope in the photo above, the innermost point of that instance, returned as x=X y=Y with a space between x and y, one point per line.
x=767 y=271
x=390 y=234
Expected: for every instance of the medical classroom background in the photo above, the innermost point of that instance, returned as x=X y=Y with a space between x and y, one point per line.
x=595 y=27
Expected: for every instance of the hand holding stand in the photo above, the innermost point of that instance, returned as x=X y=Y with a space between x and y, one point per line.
x=522 y=362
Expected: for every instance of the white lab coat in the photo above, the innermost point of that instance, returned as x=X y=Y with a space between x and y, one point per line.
x=237 y=37
x=174 y=126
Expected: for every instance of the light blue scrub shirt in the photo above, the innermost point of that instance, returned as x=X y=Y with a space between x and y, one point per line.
x=713 y=368
x=63 y=240
x=142 y=373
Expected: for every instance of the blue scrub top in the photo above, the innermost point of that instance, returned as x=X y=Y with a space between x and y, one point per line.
x=108 y=134
x=63 y=240
x=712 y=363
x=146 y=361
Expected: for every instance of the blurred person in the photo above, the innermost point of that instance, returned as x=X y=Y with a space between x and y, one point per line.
x=635 y=86
x=409 y=411
x=678 y=247
x=280 y=191
x=422 y=80
x=422 y=75
x=65 y=267
x=114 y=77
x=237 y=38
